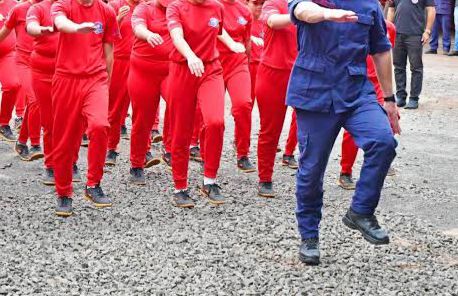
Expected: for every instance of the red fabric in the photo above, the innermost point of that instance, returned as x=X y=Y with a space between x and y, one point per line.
x=257 y=30
x=236 y=76
x=197 y=128
x=123 y=46
x=153 y=17
x=349 y=153
x=118 y=100
x=280 y=46
x=10 y=86
x=83 y=54
x=77 y=101
x=156 y=118
x=291 y=142
x=201 y=24
x=186 y=92
x=272 y=109
x=8 y=44
x=147 y=82
x=237 y=23
x=43 y=57
x=16 y=21
x=253 y=73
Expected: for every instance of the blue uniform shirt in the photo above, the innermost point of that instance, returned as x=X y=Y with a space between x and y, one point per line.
x=330 y=69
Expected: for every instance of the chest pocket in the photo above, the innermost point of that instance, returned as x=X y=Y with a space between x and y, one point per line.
x=359 y=31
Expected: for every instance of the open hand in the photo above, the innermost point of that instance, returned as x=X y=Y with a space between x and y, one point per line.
x=196 y=66
x=85 y=28
x=340 y=16
x=154 y=39
x=123 y=11
x=393 y=116
x=238 y=47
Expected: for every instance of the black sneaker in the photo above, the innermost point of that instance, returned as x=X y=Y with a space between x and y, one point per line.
x=289 y=161
x=265 y=189
x=431 y=51
x=48 y=177
x=18 y=123
x=194 y=154
x=181 y=199
x=401 y=102
x=156 y=136
x=85 y=141
x=453 y=53
x=212 y=192
x=309 y=252
x=64 y=206
x=76 y=176
x=23 y=151
x=368 y=226
x=412 y=104
x=124 y=134
x=137 y=176
x=111 y=158
x=151 y=160
x=244 y=164
x=6 y=134
x=345 y=181
x=95 y=195
x=35 y=152
x=167 y=159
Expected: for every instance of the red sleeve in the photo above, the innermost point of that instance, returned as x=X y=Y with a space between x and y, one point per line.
x=34 y=15
x=112 y=30
x=173 y=16
x=60 y=7
x=11 y=19
x=391 y=30
x=139 y=15
x=269 y=8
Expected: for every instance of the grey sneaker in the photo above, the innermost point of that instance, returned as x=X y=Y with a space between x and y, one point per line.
x=18 y=123
x=265 y=189
x=289 y=161
x=64 y=206
x=244 y=164
x=346 y=182
x=156 y=136
x=401 y=102
x=151 y=160
x=76 y=176
x=412 y=104
x=95 y=195
x=35 y=152
x=167 y=159
x=194 y=154
x=111 y=158
x=181 y=199
x=6 y=134
x=23 y=151
x=309 y=252
x=213 y=193
x=85 y=141
x=124 y=134
x=137 y=176
x=48 y=177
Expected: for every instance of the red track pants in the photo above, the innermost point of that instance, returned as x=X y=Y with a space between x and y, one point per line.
x=272 y=110
x=118 y=102
x=198 y=125
x=237 y=80
x=147 y=81
x=31 y=126
x=253 y=73
x=78 y=100
x=9 y=85
x=186 y=93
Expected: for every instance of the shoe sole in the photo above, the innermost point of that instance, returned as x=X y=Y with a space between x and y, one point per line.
x=125 y=137
x=293 y=167
x=84 y=145
x=265 y=195
x=246 y=171
x=391 y=174
x=2 y=137
x=36 y=156
x=110 y=163
x=48 y=183
x=312 y=261
x=368 y=238
x=152 y=162
x=156 y=139
x=97 y=205
x=197 y=159
x=142 y=183
x=341 y=185
x=213 y=202
x=63 y=214
x=187 y=206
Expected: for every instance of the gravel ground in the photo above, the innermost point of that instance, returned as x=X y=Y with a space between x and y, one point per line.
x=144 y=246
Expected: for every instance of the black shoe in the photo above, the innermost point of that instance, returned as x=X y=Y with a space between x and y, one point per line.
x=244 y=164
x=453 y=53
x=137 y=176
x=111 y=158
x=151 y=160
x=18 y=123
x=368 y=226
x=278 y=149
x=194 y=154
x=213 y=193
x=309 y=252
x=23 y=151
x=35 y=152
x=401 y=102
x=48 y=177
x=76 y=176
x=95 y=194
x=181 y=199
x=64 y=206
x=124 y=134
x=346 y=182
x=167 y=159
x=412 y=104
x=265 y=189
x=6 y=134
x=431 y=51
x=156 y=136
x=289 y=161
x=85 y=141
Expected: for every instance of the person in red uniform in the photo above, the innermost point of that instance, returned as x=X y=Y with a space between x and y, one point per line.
x=257 y=42
x=119 y=97
x=31 y=127
x=147 y=81
x=236 y=74
x=195 y=27
x=349 y=148
x=280 y=51
x=8 y=74
x=84 y=59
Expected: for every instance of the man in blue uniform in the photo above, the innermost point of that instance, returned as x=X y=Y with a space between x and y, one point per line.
x=329 y=90
x=442 y=23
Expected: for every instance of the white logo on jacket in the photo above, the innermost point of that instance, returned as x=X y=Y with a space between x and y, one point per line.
x=213 y=22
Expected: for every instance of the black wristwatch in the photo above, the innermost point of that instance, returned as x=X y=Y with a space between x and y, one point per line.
x=390 y=99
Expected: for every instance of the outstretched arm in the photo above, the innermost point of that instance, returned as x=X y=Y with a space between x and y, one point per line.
x=312 y=13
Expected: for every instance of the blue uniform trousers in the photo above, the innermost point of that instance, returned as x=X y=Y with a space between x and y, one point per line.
x=443 y=22
x=317 y=132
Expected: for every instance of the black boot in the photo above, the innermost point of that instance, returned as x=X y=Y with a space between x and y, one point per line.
x=368 y=226
x=309 y=252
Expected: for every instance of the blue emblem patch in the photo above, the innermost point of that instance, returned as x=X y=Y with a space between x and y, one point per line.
x=213 y=22
x=242 y=21
x=98 y=28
